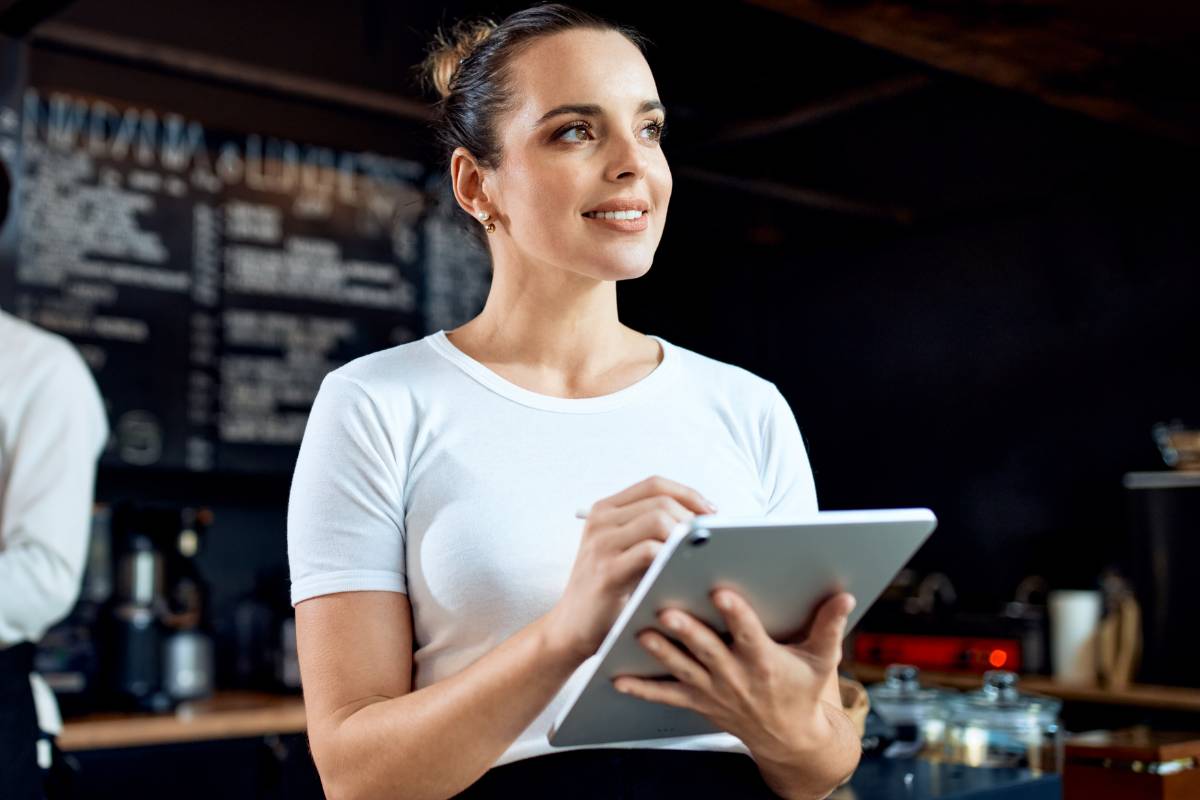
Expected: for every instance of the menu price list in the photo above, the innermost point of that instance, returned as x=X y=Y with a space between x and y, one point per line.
x=209 y=279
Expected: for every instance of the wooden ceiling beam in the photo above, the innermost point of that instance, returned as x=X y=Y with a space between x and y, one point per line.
x=809 y=198
x=815 y=112
x=1135 y=67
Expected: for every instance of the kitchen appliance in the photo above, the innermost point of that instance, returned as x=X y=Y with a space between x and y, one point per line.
x=131 y=630
x=918 y=623
x=153 y=648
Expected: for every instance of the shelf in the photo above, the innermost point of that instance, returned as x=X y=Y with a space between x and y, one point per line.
x=226 y=715
x=1176 y=698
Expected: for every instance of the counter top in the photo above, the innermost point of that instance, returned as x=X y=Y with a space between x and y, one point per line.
x=1177 y=698
x=225 y=715
x=922 y=780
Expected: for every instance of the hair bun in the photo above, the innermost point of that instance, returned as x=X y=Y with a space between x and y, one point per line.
x=449 y=50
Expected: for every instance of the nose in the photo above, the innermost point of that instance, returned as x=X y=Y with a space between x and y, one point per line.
x=628 y=157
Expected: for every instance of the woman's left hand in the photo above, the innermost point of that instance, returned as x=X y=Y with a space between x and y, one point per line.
x=773 y=696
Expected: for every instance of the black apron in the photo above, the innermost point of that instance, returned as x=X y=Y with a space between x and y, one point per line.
x=20 y=774
x=621 y=774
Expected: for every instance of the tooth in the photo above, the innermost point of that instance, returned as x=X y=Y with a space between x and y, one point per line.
x=629 y=214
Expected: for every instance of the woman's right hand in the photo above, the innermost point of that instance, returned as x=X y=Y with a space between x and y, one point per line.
x=622 y=535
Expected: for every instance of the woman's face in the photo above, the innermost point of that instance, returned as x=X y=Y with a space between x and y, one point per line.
x=558 y=166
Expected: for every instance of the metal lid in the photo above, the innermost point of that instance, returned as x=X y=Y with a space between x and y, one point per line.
x=900 y=697
x=999 y=702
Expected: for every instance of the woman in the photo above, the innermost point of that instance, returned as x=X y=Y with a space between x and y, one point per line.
x=444 y=593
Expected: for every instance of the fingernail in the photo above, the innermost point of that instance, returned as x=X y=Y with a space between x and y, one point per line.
x=709 y=505
x=724 y=601
x=674 y=622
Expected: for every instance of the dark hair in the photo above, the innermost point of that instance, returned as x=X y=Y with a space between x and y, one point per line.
x=469 y=69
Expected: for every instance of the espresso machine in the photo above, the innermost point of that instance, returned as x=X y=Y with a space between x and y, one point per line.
x=152 y=647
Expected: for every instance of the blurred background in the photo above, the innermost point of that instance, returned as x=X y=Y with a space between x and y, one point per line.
x=960 y=237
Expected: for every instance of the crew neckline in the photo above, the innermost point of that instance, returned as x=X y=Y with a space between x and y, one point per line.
x=572 y=405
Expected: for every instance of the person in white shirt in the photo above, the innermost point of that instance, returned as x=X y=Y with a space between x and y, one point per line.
x=445 y=594
x=52 y=430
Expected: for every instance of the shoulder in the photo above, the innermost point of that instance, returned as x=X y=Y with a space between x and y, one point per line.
x=406 y=368
x=34 y=360
x=722 y=380
x=389 y=386
x=46 y=386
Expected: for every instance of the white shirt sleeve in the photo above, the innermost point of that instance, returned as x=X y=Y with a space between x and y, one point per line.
x=60 y=430
x=345 y=523
x=786 y=474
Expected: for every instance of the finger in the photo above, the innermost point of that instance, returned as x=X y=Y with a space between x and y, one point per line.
x=655 y=485
x=749 y=637
x=629 y=566
x=622 y=515
x=671 y=693
x=828 y=628
x=687 y=669
x=702 y=642
x=654 y=524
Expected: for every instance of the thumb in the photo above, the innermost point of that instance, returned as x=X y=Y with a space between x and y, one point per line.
x=824 y=640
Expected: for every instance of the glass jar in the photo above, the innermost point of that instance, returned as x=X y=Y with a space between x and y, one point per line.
x=916 y=715
x=998 y=726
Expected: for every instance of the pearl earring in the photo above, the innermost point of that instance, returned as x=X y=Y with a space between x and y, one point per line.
x=483 y=215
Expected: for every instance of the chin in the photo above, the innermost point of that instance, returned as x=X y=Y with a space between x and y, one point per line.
x=623 y=269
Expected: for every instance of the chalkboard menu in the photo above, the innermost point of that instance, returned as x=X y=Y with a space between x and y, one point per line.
x=211 y=278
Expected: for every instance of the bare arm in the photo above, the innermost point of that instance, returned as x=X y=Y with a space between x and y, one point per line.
x=372 y=736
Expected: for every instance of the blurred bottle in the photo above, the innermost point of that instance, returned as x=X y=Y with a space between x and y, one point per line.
x=188 y=646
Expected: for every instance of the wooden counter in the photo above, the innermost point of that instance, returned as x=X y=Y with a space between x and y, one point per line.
x=1175 y=698
x=226 y=715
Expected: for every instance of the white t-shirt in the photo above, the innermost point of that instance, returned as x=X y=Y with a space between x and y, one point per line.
x=52 y=430
x=422 y=471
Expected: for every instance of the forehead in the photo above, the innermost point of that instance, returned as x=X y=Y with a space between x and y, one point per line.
x=580 y=66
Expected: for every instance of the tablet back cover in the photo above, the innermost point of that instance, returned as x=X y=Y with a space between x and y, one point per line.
x=783 y=567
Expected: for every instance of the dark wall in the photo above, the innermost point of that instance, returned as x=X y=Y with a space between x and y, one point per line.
x=1001 y=359
x=1000 y=356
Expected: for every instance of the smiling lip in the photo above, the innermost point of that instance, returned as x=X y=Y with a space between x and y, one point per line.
x=630 y=225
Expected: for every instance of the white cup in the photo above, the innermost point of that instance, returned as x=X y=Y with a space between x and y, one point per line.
x=1074 y=623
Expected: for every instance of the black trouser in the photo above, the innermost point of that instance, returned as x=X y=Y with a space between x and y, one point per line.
x=622 y=774
x=20 y=775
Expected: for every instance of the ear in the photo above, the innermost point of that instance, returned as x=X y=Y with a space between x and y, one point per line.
x=467 y=179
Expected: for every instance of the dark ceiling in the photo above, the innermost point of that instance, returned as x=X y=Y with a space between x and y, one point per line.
x=885 y=112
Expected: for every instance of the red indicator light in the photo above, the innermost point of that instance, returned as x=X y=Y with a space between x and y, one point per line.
x=998 y=658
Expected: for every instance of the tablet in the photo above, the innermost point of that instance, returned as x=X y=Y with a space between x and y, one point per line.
x=783 y=566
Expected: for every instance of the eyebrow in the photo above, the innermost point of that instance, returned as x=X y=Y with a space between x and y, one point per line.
x=592 y=110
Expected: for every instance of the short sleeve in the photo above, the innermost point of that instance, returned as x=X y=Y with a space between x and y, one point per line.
x=345 y=518
x=786 y=474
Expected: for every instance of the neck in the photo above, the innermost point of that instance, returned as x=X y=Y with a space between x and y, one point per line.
x=560 y=322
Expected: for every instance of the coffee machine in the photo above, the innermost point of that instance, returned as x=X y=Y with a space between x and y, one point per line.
x=152 y=646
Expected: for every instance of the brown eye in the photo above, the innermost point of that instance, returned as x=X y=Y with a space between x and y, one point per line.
x=576 y=126
x=659 y=128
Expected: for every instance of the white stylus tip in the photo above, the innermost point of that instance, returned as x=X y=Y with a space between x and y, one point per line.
x=582 y=513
